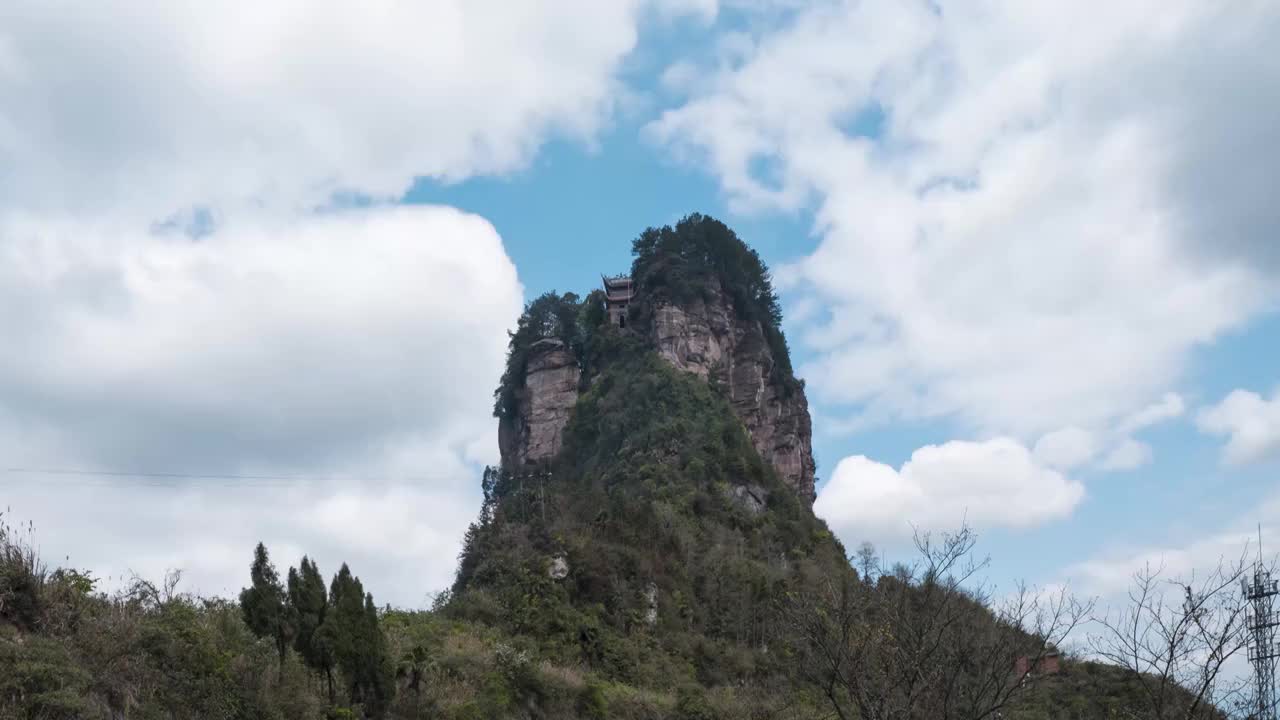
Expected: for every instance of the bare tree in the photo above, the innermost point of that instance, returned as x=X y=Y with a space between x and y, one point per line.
x=925 y=641
x=867 y=563
x=1177 y=637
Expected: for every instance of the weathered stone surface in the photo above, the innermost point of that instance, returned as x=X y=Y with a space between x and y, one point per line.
x=543 y=405
x=753 y=498
x=706 y=338
x=651 y=604
x=559 y=568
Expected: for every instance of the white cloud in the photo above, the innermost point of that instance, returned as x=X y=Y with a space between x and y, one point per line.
x=1066 y=448
x=117 y=104
x=1169 y=407
x=1250 y=422
x=1110 y=573
x=356 y=347
x=1036 y=238
x=995 y=483
x=361 y=347
x=401 y=536
x=1108 y=576
x=1073 y=447
x=1129 y=454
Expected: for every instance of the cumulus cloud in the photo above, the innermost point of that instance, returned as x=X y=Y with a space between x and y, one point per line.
x=1113 y=448
x=1168 y=407
x=401 y=535
x=316 y=340
x=1250 y=423
x=1066 y=448
x=180 y=291
x=1018 y=230
x=1129 y=454
x=111 y=105
x=358 y=347
x=994 y=483
x=1110 y=573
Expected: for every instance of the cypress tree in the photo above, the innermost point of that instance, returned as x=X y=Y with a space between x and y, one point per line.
x=346 y=621
x=377 y=674
x=263 y=604
x=352 y=632
x=309 y=603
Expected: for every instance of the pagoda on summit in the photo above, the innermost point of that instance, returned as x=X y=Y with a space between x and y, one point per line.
x=618 y=293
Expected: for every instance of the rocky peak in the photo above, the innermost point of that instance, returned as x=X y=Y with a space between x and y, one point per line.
x=533 y=432
x=707 y=338
x=699 y=297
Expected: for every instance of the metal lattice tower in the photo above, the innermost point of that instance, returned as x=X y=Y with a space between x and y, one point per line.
x=1261 y=622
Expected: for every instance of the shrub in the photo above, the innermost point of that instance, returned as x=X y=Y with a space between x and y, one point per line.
x=691 y=704
x=592 y=703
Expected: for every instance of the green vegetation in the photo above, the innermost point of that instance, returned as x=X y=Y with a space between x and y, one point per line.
x=697 y=258
x=562 y=317
x=643 y=496
x=1092 y=691
x=656 y=569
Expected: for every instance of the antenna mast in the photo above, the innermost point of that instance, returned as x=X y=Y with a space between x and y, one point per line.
x=1261 y=622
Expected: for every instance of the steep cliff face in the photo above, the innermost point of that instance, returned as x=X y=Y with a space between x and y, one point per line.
x=705 y=337
x=534 y=432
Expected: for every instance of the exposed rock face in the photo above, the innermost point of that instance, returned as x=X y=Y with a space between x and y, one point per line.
x=559 y=569
x=704 y=337
x=543 y=405
x=753 y=498
x=707 y=338
x=651 y=604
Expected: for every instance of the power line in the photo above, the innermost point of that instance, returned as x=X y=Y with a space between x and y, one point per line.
x=122 y=478
x=160 y=475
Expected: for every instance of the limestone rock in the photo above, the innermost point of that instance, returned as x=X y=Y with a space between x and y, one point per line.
x=753 y=498
x=707 y=338
x=559 y=569
x=704 y=337
x=543 y=405
x=651 y=604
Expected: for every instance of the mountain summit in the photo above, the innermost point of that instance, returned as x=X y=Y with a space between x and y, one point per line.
x=702 y=301
x=653 y=505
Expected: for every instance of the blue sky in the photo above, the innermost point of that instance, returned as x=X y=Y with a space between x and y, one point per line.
x=610 y=191
x=1183 y=491
x=1026 y=253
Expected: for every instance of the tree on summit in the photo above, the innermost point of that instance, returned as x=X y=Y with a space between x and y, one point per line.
x=681 y=263
x=547 y=316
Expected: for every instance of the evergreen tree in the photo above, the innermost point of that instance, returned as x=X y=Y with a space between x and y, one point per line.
x=377 y=672
x=352 y=631
x=682 y=263
x=342 y=623
x=309 y=603
x=263 y=604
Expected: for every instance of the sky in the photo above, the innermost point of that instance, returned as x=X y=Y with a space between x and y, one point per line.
x=257 y=265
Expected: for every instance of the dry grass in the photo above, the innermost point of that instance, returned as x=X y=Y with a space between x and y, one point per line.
x=23 y=576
